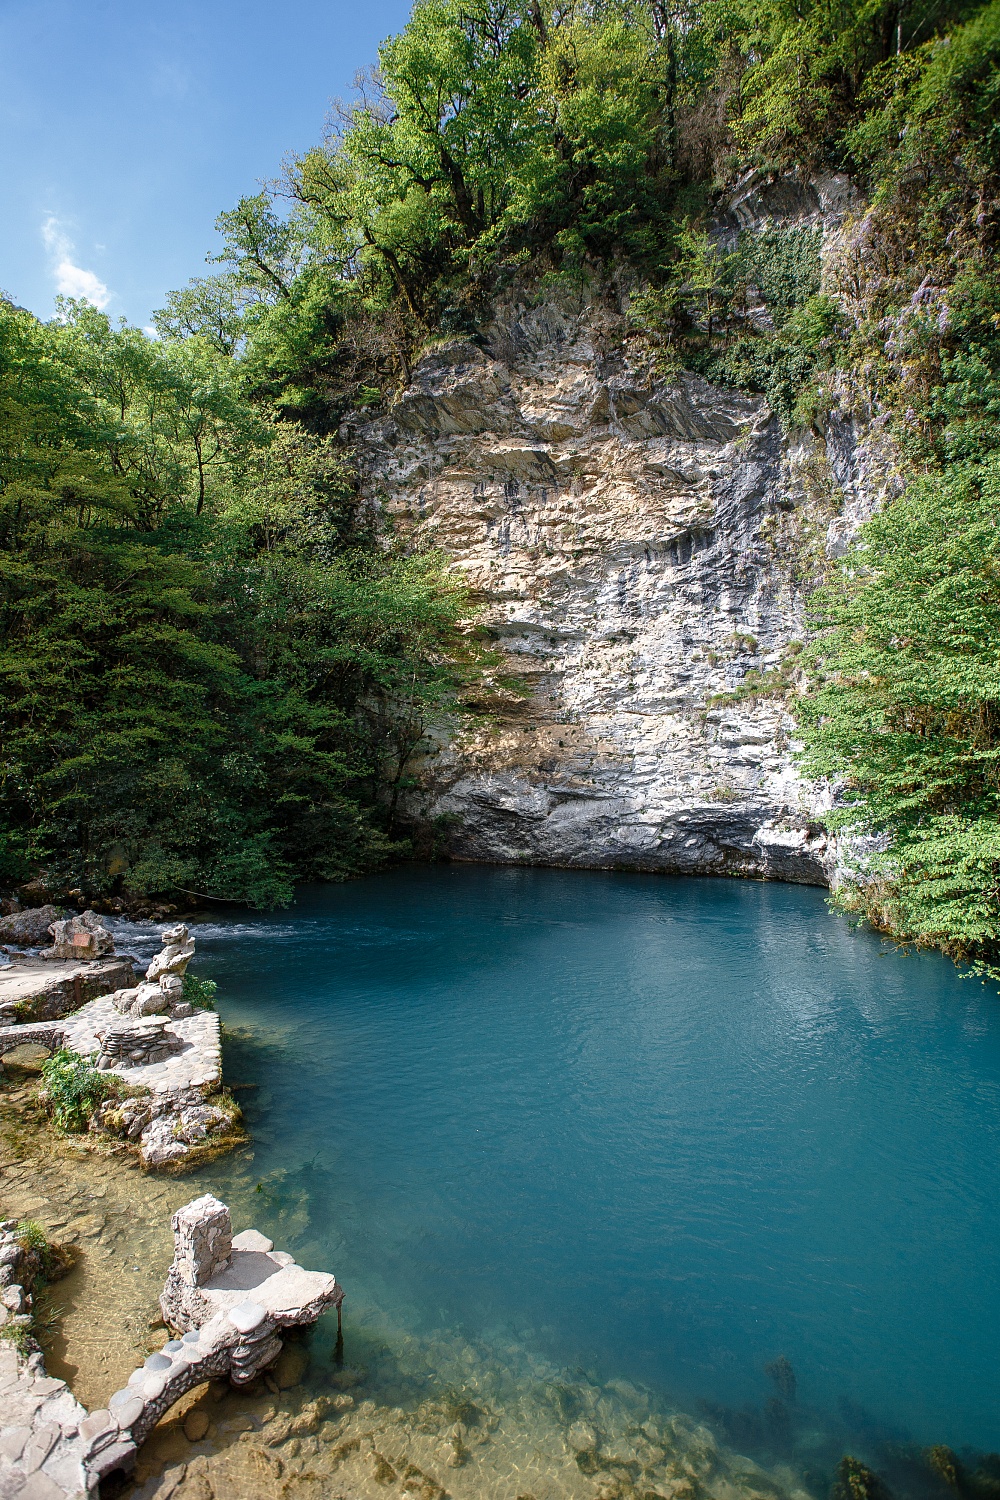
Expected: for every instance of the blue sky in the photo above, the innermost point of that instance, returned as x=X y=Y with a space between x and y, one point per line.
x=126 y=126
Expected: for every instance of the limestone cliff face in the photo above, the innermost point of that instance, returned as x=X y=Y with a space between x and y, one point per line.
x=641 y=545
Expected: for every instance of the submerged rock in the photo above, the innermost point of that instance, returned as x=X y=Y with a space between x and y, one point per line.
x=290 y=1367
x=855 y=1481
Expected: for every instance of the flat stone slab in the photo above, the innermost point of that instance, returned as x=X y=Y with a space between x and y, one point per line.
x=53 y=988
x=272 y=1281
x=198 y=1064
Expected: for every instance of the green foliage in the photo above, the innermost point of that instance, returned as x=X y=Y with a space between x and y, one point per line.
x=903 y=708
x=783 y=265
x=200 y=651
x=216 y=666
x=809 y=61
x=751 y=317
x=904 y=711
x=512 y=132
x=199 y=992
x=74 y=1088
x=30 y=1235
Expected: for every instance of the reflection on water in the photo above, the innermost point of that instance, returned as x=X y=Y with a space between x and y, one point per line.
x=589 y=1151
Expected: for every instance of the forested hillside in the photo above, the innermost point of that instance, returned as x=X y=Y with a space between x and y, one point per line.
x=216 y=663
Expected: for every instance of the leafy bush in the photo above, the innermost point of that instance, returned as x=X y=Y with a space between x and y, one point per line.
x=903 y=712
x=707 y=316
x=199 y=992
x=74 y=1088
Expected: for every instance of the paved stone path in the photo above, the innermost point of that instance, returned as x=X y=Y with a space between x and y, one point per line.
x=197 y=1064
x=45 y=1440
x=233 y=1295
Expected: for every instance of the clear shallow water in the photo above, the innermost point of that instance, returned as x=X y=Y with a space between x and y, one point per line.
x=663 y=1130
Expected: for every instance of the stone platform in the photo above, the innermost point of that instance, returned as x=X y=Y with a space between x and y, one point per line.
x=149 y=1036
x=196 y=1064
x=39 y=989
x=228 y=1297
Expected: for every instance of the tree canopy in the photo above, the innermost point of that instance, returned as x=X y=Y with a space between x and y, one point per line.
x=207 y=684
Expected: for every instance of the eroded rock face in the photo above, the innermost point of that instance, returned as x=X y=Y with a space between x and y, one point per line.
x=641 y=544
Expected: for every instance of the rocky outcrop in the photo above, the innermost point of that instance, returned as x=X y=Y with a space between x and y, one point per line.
x=28 y=929
x=640 y=544
x=83 y=937
x=171 y=1128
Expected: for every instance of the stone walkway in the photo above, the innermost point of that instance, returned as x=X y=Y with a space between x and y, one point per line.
x=231 y=1296
x=46 y=1436
x=198 y=1065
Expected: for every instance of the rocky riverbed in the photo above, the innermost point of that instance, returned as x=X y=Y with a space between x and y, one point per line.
x=387 y=1415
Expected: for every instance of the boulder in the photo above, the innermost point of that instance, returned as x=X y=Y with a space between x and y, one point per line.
x=150 y=1000
x=196 y=1425
x=82 y=937
x=29 y=929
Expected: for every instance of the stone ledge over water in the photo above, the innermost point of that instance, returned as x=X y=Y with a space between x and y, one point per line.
x=168 y=1054
x=230 y=1299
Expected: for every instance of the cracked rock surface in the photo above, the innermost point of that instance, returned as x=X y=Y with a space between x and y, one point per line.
x=641 y=544
x=44 y=1436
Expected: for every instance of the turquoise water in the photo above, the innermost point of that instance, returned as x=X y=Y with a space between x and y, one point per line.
x=657 y=1130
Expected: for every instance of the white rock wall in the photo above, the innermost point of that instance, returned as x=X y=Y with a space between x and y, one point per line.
x=640 y=545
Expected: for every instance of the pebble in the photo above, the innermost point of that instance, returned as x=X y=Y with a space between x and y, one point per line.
x=196 y=1424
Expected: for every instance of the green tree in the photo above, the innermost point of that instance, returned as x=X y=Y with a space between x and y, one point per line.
x=202 y=687
x=905 y=711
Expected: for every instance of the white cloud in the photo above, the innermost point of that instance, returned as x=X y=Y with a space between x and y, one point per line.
x=71 y=280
